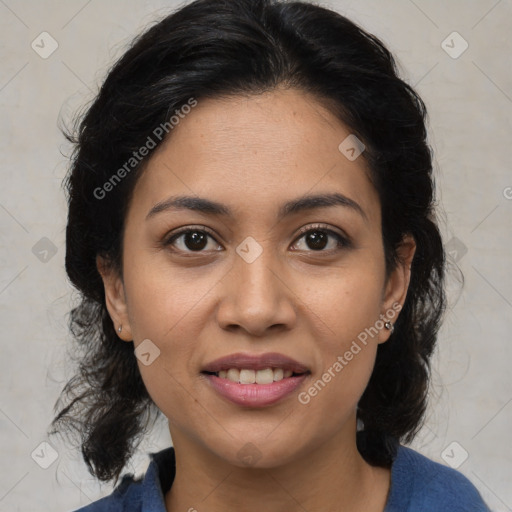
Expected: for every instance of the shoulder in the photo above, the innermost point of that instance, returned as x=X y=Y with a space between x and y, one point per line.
x=126 y=497
x=419 y=483
x=142 y=493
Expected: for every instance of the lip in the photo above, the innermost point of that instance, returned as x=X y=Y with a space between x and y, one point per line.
x=255 y=395
x=255 y=362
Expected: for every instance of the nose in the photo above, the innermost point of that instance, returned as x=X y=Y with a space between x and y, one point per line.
x=256 y=297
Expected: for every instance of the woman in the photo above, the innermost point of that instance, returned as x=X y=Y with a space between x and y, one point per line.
x=251 y=228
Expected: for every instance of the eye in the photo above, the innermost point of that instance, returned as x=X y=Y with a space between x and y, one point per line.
x=194 y=239
x=317 y=238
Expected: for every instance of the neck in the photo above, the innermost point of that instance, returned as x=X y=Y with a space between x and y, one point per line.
x=333 y=476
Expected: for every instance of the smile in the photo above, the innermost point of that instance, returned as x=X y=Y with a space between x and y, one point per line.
x=255 y=380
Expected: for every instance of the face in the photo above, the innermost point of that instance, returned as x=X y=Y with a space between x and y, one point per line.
x=306 y=284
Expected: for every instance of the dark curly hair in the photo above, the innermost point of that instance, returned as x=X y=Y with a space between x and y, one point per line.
x=214 y=48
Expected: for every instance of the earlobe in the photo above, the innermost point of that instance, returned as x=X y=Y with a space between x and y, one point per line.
x=115 y=299
x=395 y=291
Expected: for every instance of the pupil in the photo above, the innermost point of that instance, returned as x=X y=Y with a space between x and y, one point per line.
x=316 y=239
x=195 y=237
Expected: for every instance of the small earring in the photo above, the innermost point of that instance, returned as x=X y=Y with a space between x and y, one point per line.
x=389 y=326
x=120 y=328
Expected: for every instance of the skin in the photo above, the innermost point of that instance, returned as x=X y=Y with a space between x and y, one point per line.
x=252 y=154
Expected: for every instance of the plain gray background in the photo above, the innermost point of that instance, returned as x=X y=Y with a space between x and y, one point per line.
x=469 y=98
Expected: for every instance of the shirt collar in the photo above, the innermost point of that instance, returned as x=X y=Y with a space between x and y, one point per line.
x=162 y=470
x=158 y=480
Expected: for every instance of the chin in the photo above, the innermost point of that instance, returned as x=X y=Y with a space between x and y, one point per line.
x=258 y=452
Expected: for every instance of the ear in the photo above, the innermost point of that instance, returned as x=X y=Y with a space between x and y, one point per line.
x=395 y=290
x=115 y=298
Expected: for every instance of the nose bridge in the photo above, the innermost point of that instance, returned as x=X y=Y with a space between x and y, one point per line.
x=253 y=264
x=256 y=298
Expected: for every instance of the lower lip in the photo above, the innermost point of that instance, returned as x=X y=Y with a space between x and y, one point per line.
x=255 y=395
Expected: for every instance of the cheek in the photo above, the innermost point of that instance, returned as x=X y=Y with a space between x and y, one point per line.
x=346 y=312
x=171 y=327
x=170 y=307
x=347 y=354
x=164 y=302
x=345 y=303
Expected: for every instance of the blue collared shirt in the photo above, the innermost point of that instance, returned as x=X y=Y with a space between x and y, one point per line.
x=418 y=484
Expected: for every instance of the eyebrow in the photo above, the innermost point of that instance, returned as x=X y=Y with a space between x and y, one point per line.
x=206 y=206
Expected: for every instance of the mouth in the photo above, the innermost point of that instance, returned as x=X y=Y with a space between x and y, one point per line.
x=255 y=380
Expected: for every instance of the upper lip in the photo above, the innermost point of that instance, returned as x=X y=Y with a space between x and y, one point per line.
x=255 y=362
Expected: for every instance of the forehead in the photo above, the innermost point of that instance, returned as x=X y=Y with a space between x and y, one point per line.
x=255 y=151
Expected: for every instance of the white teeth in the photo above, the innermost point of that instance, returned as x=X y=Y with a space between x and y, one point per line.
x=278 y=374
x=266 y=376
x=247 y=376
x=233 y=374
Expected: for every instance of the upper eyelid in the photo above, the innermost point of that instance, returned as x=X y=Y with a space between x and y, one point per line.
x=301 y=232
x=320 y=226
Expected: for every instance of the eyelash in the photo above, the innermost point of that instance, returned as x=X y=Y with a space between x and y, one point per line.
x=342 y=242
